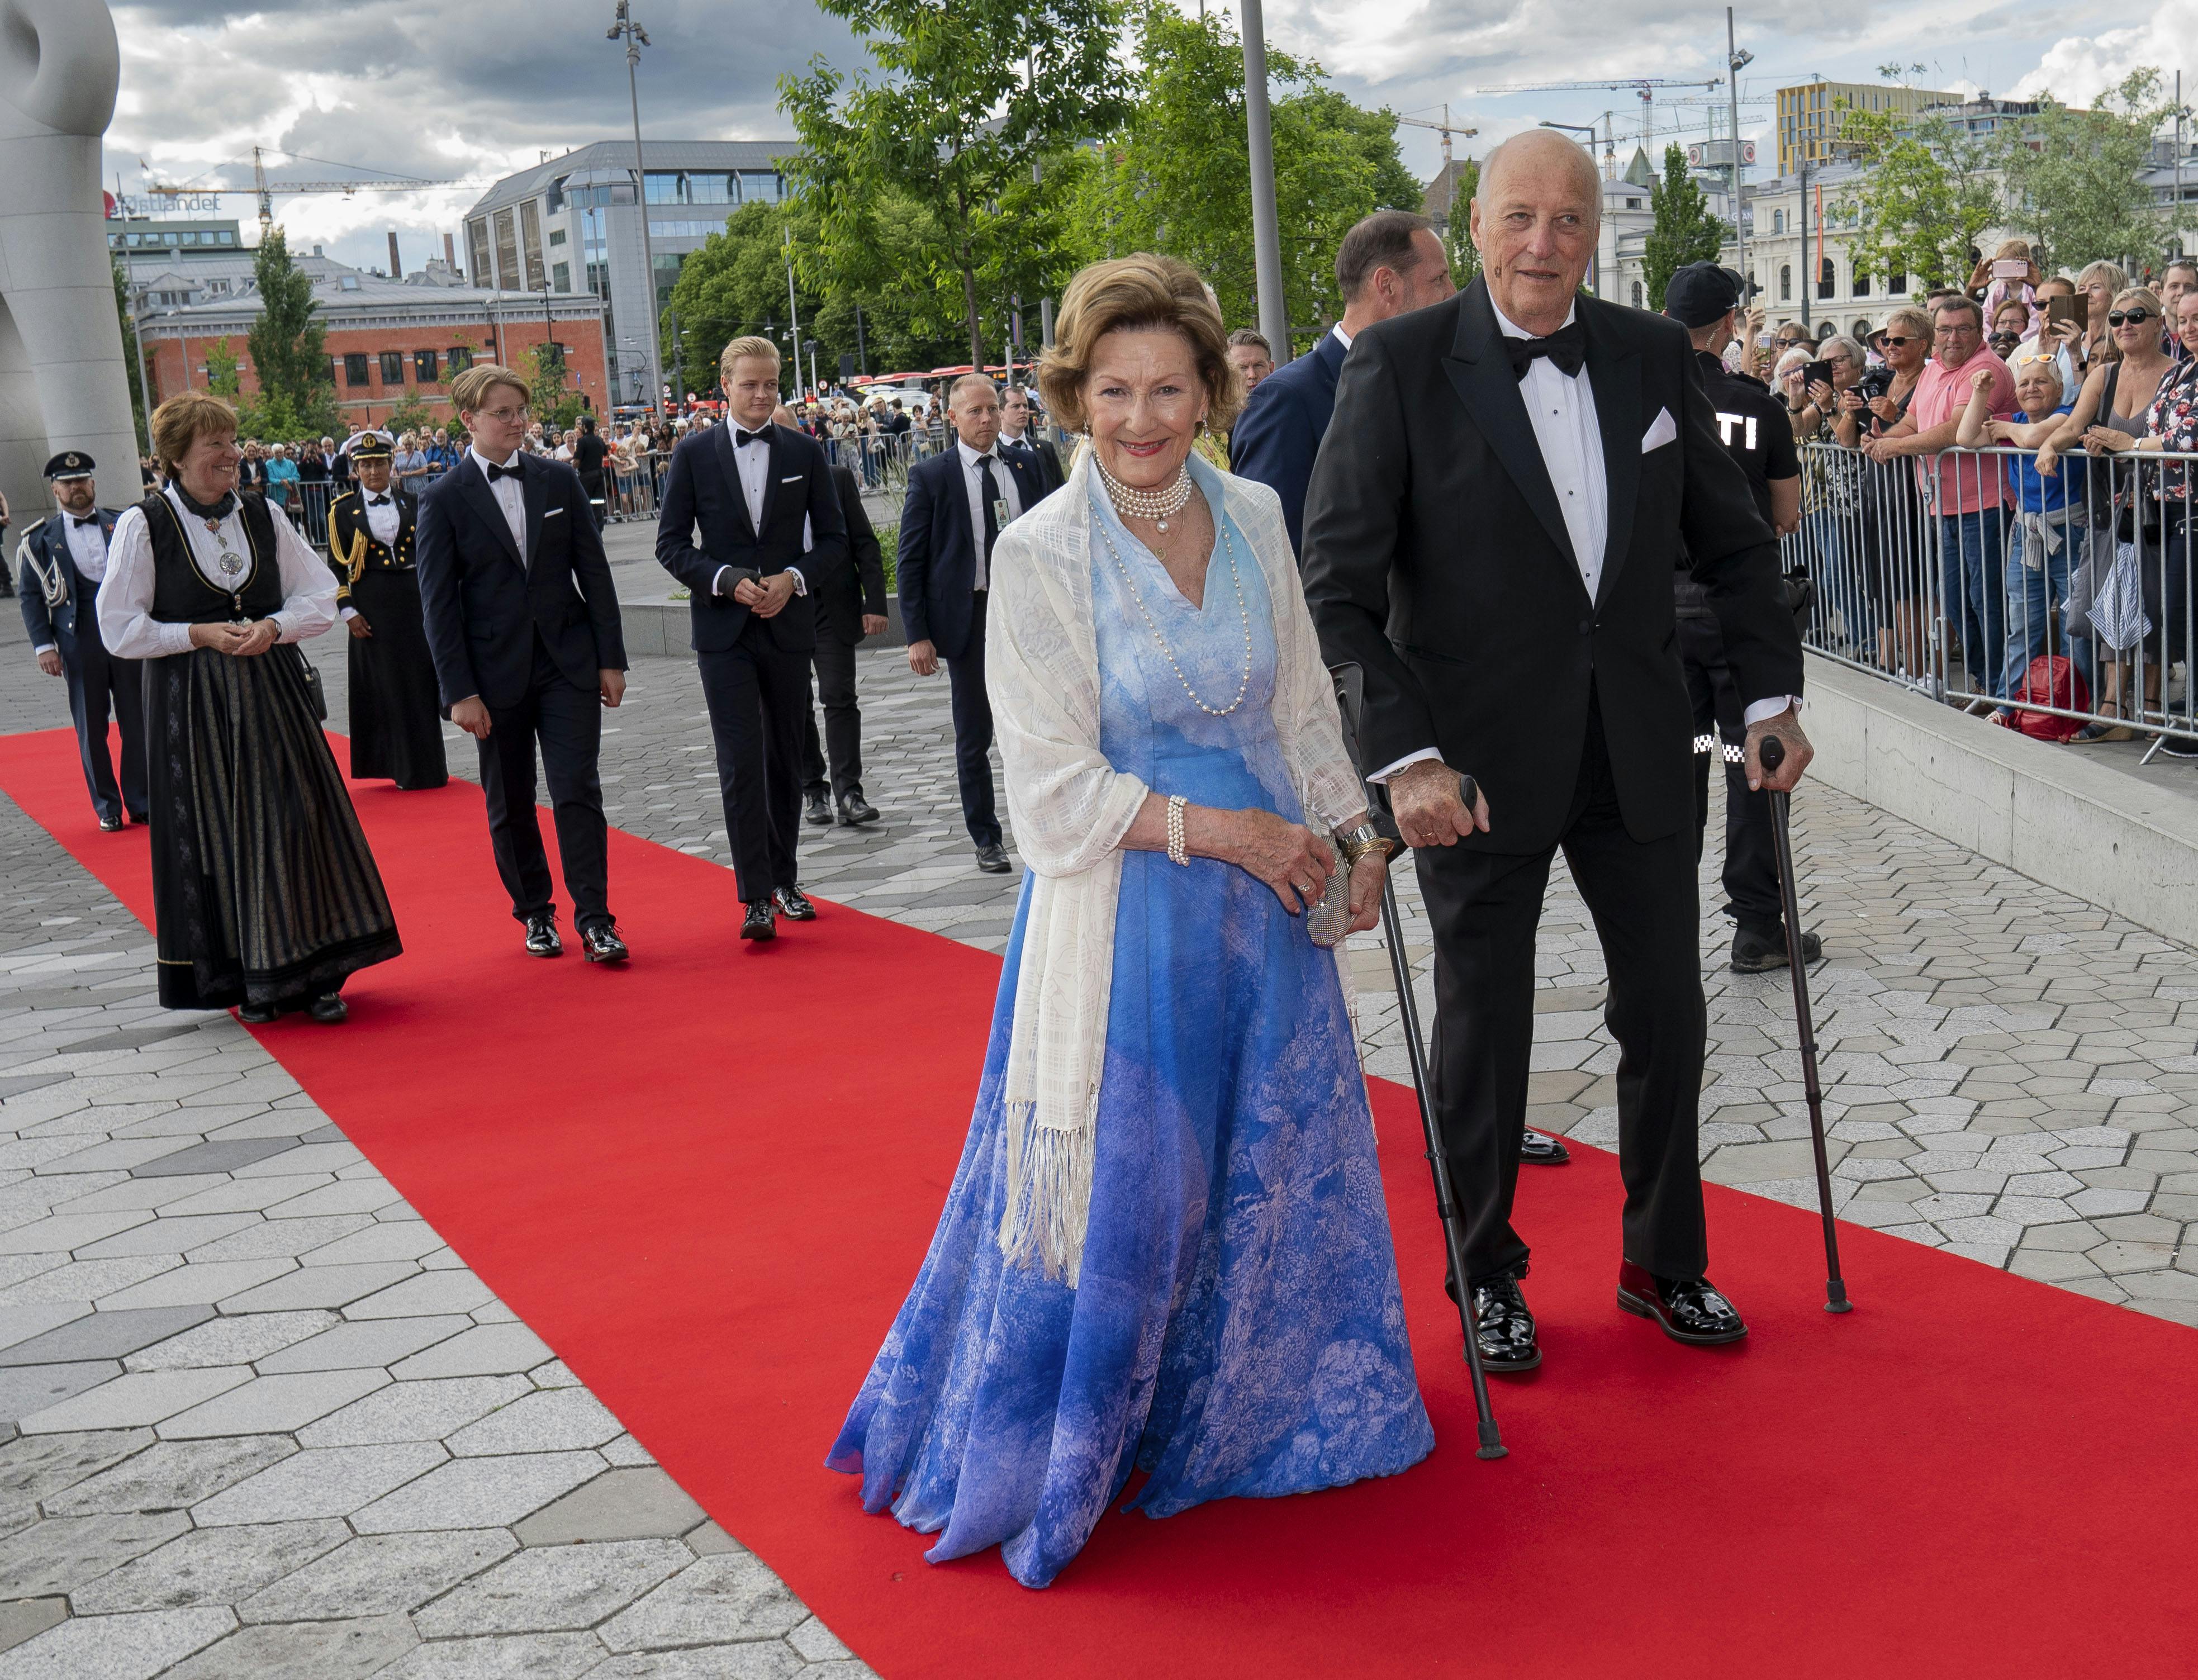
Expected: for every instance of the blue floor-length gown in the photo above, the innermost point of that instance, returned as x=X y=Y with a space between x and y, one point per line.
x=1236 y=1328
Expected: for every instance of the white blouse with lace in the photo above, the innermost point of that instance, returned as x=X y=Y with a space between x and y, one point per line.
x=125 y=595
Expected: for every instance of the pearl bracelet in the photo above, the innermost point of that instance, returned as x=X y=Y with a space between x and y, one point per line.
x=1176 y=851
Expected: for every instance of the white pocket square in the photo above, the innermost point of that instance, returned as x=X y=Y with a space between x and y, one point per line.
x=1665 y=431
x=795 y=478
x=552 y=513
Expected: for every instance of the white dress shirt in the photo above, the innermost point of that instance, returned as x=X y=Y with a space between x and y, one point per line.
x=509 y=496
x=1560 y=408
x=125 y=596
x=752 y=457
x=87 y=544
x=973 y=475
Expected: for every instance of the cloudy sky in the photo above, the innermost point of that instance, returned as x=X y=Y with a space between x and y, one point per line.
x=448 y=88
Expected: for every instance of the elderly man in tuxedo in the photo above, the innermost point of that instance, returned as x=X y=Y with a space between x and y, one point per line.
x=1490 y=534
x=64 y=560
x=1390 y=263
x=959 y=502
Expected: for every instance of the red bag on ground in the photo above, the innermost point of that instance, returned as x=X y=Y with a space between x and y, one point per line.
x=2051 y=680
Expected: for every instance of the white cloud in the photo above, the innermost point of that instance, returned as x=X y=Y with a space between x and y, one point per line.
x=2079 y=68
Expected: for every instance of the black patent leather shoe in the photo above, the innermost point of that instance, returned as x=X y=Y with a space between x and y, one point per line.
x=329 y=1009
x=542 y=938
x=1758 y=953
x=110 y=825
x=601 y=943
x=792 y=903
x=855 y=810
x=993 y=860
x=816 y=808
x=1508 y=1346
x=1541 y=1150
x=141 y=819
x=761 y=922
x=256 y=1015
x=1688 y=1308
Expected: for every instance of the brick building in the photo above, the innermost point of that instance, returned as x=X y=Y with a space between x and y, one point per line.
x=388 y=342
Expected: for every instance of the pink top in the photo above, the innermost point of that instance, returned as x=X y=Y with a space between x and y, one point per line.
x=2000 y=291
x=1967 y=482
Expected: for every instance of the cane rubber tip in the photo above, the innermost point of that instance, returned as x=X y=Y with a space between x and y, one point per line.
x=1492 y=1443
x=1835 y=1297
x=1499 y=1450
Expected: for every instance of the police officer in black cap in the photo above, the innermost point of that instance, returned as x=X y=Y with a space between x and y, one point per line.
x=1706 y=299
x=63 y=560
x=396 y=723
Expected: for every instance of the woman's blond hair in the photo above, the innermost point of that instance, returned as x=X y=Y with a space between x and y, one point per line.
x=1138 y=292
x=182 y=420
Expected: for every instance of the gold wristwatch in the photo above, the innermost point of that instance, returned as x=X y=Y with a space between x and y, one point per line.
x=1357 y=842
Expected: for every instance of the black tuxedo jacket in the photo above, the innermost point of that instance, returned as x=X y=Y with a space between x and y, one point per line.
x=1435 y=557
x=935 y=564
x=844 y=593
x=702 y=492
x=72 y=626
x=484 y=608
x=1276 y=438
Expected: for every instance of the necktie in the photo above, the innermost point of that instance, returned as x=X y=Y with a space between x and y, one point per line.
x=1567 y=347
x=989 y=493
x=378 y=501
x=513 y=471
x=741 y=437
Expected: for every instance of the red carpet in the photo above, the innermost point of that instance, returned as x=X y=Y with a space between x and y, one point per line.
x=707 y=1181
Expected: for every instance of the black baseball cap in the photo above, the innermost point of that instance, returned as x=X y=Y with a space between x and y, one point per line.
x=1701 y=294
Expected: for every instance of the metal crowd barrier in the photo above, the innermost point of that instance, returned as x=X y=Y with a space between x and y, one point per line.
x=1929 y=571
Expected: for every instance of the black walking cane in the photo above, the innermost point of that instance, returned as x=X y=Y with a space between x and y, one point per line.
x=1773 y=754
x=1350 y=694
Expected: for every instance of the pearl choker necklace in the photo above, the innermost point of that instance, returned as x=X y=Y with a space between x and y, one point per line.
x=1158 y=505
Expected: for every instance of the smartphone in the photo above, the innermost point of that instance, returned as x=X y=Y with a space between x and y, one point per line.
x=2060 y=309
x=1763 y=340
x=1814 y=371
x=2010 y=268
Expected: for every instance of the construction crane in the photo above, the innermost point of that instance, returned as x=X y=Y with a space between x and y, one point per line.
x=1443 y=128
x=1645 y=86
x=264 y=189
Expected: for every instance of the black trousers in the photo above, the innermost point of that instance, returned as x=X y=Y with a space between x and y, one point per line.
x=834 y=663
x=1485 y=907
x=757 y=695
x=101 y=686
x=1751 y=862
x=568 y=721
x=972 y=732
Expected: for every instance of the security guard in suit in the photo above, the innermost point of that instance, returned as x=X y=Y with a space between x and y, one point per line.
x=396 y=726
x=63 y=560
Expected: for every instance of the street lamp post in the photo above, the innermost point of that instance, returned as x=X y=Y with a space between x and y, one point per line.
x=636 y=38
x=144 y=384
x=1266 y=232
x=793 y=315
x=1736 y=61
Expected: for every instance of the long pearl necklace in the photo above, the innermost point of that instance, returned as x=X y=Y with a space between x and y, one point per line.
x=1158 y=505
x=1243 y=613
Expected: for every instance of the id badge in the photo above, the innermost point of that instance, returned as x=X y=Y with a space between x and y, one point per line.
x=1001 y=516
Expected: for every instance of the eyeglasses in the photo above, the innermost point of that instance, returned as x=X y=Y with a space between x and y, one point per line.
x=2128 y=318
x=518 y=416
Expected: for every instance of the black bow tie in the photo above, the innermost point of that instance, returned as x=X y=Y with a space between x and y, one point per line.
x=1567 y=347
x=513 y=471
x=741 y=438
x=383 y=501
x=80 y=523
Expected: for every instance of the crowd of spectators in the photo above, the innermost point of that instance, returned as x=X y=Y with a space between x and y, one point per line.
x=1980 y=458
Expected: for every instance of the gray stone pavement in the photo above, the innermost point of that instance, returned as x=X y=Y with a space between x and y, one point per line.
x=263 y=1422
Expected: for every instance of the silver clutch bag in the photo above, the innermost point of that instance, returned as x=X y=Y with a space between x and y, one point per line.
x=1330 y=919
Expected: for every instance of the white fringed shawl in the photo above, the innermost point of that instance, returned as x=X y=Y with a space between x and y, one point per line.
x=1070 y=808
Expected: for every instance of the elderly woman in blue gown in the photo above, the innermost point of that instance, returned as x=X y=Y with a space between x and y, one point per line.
x=1165 y=1248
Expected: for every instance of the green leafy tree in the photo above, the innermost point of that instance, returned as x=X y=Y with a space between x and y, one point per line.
x=122 y=314
x=554 y=402
x=1464 y=258
x=967 y=109
x=2075 y=182
x=410 y=415
x=288 y=349
x=1175 y=178
x=1928 y=192
x=1683 y=231
x=224 y=373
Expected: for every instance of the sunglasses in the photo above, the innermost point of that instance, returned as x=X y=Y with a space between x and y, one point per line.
x=2128 y=318
x=1895 y=341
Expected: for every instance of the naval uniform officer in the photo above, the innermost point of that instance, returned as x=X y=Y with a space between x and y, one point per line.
x=396 y=724
x=63 y=559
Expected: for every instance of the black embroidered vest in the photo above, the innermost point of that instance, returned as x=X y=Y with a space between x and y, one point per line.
x=183 y=595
